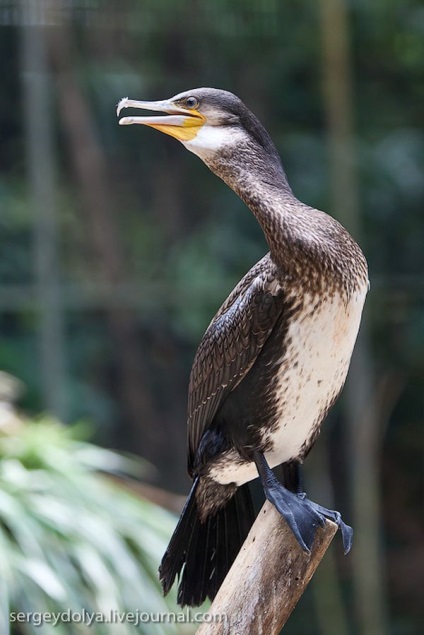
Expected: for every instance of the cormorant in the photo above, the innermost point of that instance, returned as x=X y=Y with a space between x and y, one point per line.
x=274 y=358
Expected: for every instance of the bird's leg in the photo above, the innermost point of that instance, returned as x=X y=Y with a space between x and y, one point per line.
x=302 y=520
x=302 y=515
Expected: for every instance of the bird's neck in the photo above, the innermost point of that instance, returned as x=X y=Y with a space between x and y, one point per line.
x=303 y=241
x=274 y=206
x=263 y=187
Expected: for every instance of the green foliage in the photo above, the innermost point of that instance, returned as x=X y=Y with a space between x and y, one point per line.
x=72 y=539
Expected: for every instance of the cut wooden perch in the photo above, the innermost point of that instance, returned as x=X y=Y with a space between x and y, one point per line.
x=266 y=580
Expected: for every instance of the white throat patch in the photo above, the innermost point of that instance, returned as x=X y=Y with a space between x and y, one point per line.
x=211 y=139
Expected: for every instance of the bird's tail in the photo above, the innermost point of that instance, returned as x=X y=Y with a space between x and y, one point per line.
x=204 y=552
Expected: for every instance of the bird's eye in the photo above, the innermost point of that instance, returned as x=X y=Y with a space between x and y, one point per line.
x=192 y=102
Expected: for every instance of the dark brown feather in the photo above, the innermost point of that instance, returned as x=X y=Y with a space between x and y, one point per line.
x=231 y=345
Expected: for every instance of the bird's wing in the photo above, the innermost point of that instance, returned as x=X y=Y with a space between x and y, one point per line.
x=231 y=345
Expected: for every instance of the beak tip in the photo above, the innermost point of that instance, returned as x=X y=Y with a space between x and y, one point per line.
x=121 y=104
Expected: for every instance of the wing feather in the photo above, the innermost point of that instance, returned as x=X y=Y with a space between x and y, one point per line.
x=231 y=345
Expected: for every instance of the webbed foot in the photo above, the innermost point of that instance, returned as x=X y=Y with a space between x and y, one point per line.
x=346 y=530
x=302 y=515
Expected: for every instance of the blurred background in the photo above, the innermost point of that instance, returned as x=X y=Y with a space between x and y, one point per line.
x=117 y=247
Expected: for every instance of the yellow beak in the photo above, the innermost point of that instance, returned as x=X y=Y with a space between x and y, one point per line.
x=181 y=123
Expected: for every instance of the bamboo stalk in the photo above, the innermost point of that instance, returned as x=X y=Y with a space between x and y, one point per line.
x=358 y=402
x=266 y=580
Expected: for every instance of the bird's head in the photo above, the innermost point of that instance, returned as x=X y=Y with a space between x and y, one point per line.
x=208 y=121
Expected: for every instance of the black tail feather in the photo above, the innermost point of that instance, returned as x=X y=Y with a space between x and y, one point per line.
x=175 y=555
x=204 y=552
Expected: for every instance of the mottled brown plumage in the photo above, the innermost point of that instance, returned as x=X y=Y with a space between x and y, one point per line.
x=274 y=358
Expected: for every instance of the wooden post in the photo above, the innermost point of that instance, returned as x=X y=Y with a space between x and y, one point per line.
x=266 y=580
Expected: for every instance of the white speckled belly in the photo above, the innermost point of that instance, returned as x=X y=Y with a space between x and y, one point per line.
x=312 y=373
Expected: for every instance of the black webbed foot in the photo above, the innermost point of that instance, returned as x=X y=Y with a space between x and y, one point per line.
x=346 y=530
x=302 y=515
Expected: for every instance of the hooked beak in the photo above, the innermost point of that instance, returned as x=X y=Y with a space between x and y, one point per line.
x=181 y=123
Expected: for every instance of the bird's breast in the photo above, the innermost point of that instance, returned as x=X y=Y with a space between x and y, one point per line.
x=297 y=384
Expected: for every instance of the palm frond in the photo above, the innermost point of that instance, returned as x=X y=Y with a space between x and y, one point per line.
x=70 y=539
